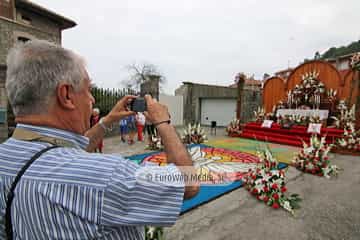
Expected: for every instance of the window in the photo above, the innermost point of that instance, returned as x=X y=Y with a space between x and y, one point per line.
x=26 y=19
x=23 y=39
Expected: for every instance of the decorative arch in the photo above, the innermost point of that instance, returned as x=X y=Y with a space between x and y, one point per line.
x=345 y=82
x=273 y=92
x=350 y=88
x=328 y=75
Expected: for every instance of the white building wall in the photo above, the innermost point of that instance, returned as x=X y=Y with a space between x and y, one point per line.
x=344 y=65
x=176 y=107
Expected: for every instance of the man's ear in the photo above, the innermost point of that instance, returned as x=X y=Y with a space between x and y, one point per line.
x=65 y=96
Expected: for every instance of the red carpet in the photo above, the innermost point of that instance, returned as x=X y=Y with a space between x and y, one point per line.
x=292 y=136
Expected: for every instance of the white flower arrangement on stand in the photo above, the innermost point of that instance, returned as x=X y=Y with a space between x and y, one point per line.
x=314 y=119
x=355 y=61
x=259 y=114
x=346 y=115
x=193 y=134
x=234 y=127
x=332 y=95
x=314 y=158
x=309 y=91
x=351 y=138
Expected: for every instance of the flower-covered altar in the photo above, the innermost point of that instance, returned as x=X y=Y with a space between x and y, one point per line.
x=315 y=99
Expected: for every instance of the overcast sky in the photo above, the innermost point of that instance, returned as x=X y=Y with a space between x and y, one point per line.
x=204 y=41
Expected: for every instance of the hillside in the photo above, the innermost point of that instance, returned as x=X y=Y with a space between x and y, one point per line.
x=340 y=51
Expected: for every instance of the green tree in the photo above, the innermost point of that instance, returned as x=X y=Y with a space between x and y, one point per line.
x=334 y=52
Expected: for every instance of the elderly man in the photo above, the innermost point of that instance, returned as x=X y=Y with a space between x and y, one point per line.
x=65 y=192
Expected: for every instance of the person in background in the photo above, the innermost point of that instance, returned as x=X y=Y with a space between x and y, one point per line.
x=150 y=130
x=131 y=127
x=95 y=117
x=140 y=123
x=123 y=129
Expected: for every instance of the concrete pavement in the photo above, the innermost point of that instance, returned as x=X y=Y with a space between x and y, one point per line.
x=330 y=209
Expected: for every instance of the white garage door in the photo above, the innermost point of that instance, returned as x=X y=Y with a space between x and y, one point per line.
x=220 y=110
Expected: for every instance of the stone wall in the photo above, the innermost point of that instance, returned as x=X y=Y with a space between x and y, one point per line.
x=9 y=33
x=151 y=86
x=38 y=21
x=11 y=30
x=250 y=101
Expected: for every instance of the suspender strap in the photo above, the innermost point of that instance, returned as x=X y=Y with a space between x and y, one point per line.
x=10 y=195
x=28 y=135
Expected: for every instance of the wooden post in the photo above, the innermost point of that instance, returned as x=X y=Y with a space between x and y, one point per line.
x=240 y=85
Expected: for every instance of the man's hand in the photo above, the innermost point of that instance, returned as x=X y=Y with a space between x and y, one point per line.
x=175 y=151
x=119 y=111
x=156 y=112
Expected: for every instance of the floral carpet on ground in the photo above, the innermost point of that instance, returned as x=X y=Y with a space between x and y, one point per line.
x=226 y=168
x=282 y=153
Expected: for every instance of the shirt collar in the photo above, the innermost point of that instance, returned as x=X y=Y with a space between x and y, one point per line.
x=77 y=139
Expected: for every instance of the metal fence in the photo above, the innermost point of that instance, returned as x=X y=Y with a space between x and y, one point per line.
x=105 y=99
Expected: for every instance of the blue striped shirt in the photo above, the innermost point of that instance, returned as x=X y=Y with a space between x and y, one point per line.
x=69 y=193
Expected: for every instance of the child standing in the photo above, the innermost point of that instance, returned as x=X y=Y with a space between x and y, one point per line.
x=131 y=127
x=140 y=123
x=123 y=129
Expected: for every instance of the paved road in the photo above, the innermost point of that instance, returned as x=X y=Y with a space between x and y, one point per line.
x=114 y=144
x=330 y=208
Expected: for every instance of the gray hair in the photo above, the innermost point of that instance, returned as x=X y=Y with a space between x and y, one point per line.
x=97 y=110
x=35 y=69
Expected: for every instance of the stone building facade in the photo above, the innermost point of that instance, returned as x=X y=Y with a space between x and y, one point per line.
x=20 y=21
x=151 y=86
x=251 y=99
